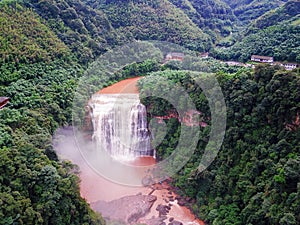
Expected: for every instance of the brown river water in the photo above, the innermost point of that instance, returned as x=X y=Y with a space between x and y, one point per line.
x=94 y=187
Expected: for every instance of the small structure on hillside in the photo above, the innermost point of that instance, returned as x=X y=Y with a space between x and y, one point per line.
x=3 y=101
x=262 y=59
x=289 y=66
x=204 y=55
x=174 y=56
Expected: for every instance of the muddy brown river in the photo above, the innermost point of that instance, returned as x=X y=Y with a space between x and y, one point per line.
x=95 y=188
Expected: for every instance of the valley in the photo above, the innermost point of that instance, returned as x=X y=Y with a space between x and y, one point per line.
x=48 y=46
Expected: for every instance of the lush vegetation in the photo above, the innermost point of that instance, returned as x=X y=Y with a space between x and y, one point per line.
x=288 y=12
x=23 y=37
x=39 y=76
x=274 y=34
x=255 y=178
x=248 y=10
x=35 y=187
x=282 y=42
x=153 y=20
x=86 y=31
x=45 y=45
x=214 y=17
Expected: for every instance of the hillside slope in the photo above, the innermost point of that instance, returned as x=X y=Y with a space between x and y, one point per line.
x=86 y=31
x=212 y=15
x=153 y=20
x=38 y=74
x=248 y=10
x=289 y=12
x=46 y=45
x=24 y=38
x=276 y=34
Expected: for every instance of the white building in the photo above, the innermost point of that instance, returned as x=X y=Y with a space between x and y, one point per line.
x=289 y=66
x=262 y=59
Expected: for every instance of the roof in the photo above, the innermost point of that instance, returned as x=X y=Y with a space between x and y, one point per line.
x=286 y=63
x=176 y=54
x=289 y=63
x=261 y=57
x=3 y=99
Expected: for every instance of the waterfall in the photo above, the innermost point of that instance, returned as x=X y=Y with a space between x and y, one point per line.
x=120 y=125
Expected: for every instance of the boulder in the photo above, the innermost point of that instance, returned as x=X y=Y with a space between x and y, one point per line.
x=128 y=209
x=162 y=209
x=156 y=221
x=175 y=222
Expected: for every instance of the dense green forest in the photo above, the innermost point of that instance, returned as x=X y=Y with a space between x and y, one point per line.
x=248 y=10
x=214 y=17
x=255 y=177
x=45 y=47
x=90 y=28
x=86 y=31
x=39 y=76
x=274 y=34
x=35 y=187
x=281 y=42
x=153 y=20
x=24 y=38
x=288 y=12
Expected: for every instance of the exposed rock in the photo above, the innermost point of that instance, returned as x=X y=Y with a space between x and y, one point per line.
x=180 y=201
x=175 y=222
x=156 y=221
x=162 y=209
x=171 y=199
x=127 y=209
x=147 y=180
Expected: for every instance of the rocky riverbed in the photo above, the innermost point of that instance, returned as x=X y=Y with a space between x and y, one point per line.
x=161 y=206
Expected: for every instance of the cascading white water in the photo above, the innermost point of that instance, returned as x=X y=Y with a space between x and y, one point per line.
x=120 y=125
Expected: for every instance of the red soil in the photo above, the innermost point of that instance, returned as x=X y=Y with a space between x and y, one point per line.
x=187 y=118
x=128 y=86
x=143 y=161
